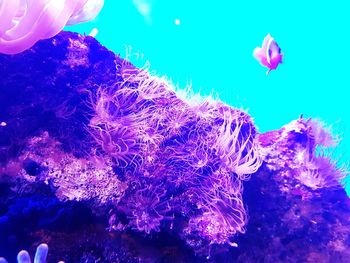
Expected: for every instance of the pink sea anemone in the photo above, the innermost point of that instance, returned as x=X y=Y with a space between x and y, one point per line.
x=24 y=22
x=147 y=208
x=237 y=145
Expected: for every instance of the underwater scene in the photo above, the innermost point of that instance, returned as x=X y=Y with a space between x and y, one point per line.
x=174 y=131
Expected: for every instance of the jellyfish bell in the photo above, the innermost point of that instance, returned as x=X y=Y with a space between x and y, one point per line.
x=24 y=22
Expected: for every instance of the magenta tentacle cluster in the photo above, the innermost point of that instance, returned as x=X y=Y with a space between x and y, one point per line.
x=173 y=153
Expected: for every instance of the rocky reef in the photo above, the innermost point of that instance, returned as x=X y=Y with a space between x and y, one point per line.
x=106 y=162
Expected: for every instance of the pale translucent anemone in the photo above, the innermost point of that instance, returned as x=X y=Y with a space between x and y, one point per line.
x=239 y=153
x=89 y=11
x=24 y=22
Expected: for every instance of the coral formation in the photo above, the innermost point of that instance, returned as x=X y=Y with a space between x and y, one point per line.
x=103 y=161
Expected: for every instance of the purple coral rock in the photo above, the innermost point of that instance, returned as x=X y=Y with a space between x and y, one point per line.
x=160 y=173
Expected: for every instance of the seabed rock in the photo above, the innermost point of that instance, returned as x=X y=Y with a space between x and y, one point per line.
x=106 y=163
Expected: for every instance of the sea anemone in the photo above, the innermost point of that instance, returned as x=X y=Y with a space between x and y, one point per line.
x=322 y=171
x=319 y=168
x=236 y=143
x=24 y=22
x=146 y=208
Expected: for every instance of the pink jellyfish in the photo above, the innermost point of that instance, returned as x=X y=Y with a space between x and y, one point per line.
x=269 y=55
x=24 y=22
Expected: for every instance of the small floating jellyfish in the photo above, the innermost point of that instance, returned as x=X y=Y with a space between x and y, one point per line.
x=24 y=22
x=269 y=55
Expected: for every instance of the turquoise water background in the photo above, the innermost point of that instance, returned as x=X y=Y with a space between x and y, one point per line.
x=212 y=48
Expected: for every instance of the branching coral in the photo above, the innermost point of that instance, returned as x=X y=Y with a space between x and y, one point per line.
x=24 y=22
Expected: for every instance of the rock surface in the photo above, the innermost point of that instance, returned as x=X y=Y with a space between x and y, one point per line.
x=106 y=163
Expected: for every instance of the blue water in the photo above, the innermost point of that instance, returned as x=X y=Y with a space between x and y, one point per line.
x=212 y=45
